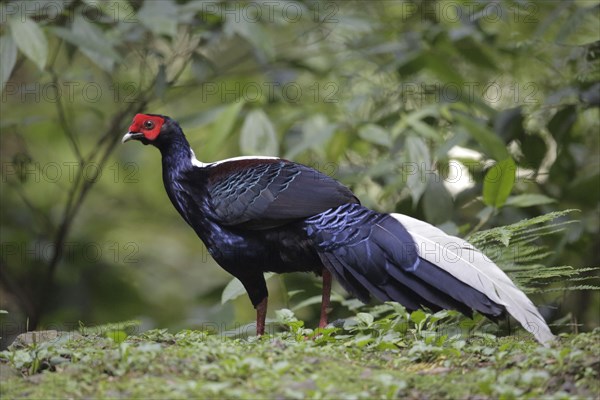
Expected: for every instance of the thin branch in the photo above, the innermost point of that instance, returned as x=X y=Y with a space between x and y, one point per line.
x=76 y=201
x=76 y=197
x=62 y=117
x=34 y=210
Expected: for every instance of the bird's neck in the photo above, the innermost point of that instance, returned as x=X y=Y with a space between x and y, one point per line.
x=184 y=182
x=177 y=156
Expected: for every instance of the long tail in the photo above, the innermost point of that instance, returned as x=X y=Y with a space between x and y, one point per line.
x=398 y=258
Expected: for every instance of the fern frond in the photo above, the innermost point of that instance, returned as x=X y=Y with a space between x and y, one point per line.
x=566 y=288
x=517 y=249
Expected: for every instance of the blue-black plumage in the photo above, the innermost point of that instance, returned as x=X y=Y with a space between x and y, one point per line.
x=259 y=214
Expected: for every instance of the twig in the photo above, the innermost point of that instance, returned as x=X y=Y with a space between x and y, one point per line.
x=82 y=187
x=34 y=210
x=62 y=118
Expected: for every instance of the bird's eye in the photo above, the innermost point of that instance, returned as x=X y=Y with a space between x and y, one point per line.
x=148 y=124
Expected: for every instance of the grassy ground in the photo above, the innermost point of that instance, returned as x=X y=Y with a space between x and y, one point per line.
x=385 y=354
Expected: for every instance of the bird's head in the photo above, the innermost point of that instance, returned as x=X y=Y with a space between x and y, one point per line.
x=152 y=129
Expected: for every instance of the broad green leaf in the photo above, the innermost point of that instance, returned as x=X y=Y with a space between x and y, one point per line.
x=258 y=135
x=417 y=165
x=221 y=127
x=528 y=200
x=91 y=41
x=292 y=293
x=415 y=121
x=120 y=10
x=235 y=289
x=365 y=318
x=472 y=51
x=224 y=123
x=316 y=132
x=418 y=316
x=488 y=140
x=30 y=39
x=375 y=134
x=251 y=31
x=498 y=183
x=437 y=202
x=8 y=58
x=411 y=62
x=160 y=17
x=307 y=302
x=313 y=300
x=285 y=315
x=118 y=336
x=204 y=118
x=438 y=64
x=202 y=67
x=422 y=128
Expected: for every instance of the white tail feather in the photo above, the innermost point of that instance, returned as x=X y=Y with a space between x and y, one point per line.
x=469 y=265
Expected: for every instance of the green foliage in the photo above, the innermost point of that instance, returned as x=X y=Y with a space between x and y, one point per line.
x=8 y=49
x=405 y=102
x=517 y=249
x=235 y=289
x=30 y=40
x=489 y=141
x=117 y=332
x=498 y=183
x=258 y=135
x=382 y=353
x=529 y=200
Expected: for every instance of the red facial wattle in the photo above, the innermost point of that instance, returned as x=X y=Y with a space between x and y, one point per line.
x=149 y=125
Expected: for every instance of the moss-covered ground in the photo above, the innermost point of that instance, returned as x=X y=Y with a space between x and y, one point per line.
x=398 y=355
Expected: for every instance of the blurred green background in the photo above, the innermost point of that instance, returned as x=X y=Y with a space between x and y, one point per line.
x=407 y=102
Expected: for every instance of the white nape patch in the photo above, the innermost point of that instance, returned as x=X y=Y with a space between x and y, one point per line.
x=200 y=164
x=212 y=164
x=196 y=162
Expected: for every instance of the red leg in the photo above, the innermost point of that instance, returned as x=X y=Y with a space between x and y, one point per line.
x=261 y=315
x=325 y=297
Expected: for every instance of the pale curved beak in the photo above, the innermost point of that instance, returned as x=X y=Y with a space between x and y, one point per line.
x=132 y=136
